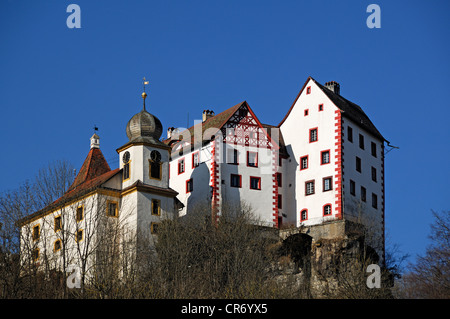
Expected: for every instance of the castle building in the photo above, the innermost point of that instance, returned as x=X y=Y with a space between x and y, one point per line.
x=323 y=162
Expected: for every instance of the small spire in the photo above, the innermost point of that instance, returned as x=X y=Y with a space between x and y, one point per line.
x=144 y=95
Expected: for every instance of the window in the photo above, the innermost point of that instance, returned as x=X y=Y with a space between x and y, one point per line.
x=280 y=206
x=155 y=169
x=313 y=135
x=304 y=162
x=320 y=107
x=235 y=180
x=352 y=187
x=58 y=223
x=189 y=185
x=181 y=166
x=280 y=161
x=252 y=159
x=327 y=184
x=255 y=183
x=232 y=156
x=374 y=201
x=363 y=194
x=308 y=90
x=361 y=141
x=373 y=148
x=279 y=179
x=306 y=112
x=350 y=134
x=374 y=174
x=325 y=157
x=154 y=228
x=36 y=232
x=79 y=235
x=111 y=209
x=327 y=210
x=35 y=254
x=126 y=171
x=57 y=245
x=309 y=188
x=80 y=213
x=358 y=164
x=195 y=159
x=304 y=215
x=156 y=207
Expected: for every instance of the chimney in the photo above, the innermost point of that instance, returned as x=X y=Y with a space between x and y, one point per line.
x=334 y=87
x=169 y=132
x=207 y=114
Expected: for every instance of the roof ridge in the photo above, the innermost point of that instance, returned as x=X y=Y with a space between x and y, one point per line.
x=93 y=166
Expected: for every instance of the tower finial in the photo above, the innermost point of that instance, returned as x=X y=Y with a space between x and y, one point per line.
x=144 y=95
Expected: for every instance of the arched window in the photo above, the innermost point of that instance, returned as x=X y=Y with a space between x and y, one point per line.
x=304 y=215
x=327 y=210
x=155 y=164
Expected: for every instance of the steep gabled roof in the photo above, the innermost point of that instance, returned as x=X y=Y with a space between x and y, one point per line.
x=349 y=109
x=94 y=172
x=215 y=123
x=94 y=165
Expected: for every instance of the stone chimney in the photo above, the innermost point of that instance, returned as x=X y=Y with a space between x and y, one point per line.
x=207 y=114
x=334 y=87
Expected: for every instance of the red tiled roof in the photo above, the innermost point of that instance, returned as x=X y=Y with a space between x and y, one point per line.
x=94 y=165
x=94 y=172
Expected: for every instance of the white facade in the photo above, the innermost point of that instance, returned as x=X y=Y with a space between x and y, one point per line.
x=302 y=172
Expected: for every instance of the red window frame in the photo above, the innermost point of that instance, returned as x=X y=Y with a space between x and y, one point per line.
x=240 y=180
x=306 y=112
x=323 y=183
x=317 y=134
x=259 y=182
x=256 y=158
x=306 y=187
x=184 y=166
x=308 y=90
x=280 y=199
x=321 y=157
x=320 y=107
x=301 y=217
x=323 y=210
x=191 y=188
x=307 y=162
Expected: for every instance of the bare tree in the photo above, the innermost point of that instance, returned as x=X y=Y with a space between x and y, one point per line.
x=429 y=276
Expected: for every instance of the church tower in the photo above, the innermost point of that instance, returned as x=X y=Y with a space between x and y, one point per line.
x=144 y=157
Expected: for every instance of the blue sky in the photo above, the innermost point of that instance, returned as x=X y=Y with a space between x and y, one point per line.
x=56 y=83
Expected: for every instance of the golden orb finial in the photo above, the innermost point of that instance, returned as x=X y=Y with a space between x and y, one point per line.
x=144 y=95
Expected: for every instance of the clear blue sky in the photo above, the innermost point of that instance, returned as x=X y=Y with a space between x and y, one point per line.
x=56 y=83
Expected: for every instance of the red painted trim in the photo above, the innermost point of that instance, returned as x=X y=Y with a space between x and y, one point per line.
x=338 y=164
x=321 y=157
x=303 y=219
x=306 y=187
x=320 y=107
x=279 y=177
x=240 y=180
x=192 y=185
x=198 y=159
x=256 y=164
x=323 y=183
x=317 y=134
x=277 y=220
x=184 y=166
x=331 y=210
x=306 y=112
x=308 y=90
x=307 y=162
x=259 y=183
